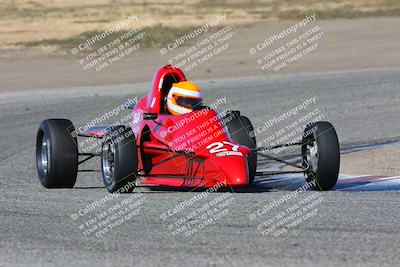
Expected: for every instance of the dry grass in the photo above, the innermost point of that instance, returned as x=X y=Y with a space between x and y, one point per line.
x=58 y=22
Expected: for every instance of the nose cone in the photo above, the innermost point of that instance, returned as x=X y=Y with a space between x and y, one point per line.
x=234 y=168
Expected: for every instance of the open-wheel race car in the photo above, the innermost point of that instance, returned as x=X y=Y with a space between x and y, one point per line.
x=174 y=140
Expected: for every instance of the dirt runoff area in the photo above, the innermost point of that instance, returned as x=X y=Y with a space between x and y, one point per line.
x=380 y=161
x=347 y=44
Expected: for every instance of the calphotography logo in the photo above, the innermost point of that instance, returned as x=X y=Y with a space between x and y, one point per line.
x=196 y=216
x=276 y=37
x=98 y=37
x=102 y=50
x=287 y=213
x=196 y=32
x=99 y=218
x=205 y=43
x=287 y=47
x=289 y=127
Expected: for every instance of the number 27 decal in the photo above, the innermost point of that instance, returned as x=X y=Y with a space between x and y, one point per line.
x=222 y=150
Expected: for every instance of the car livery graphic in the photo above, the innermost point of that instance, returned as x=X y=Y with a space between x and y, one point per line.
x=175 y=140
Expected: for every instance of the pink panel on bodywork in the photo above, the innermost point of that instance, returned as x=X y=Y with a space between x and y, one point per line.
x=97 y=131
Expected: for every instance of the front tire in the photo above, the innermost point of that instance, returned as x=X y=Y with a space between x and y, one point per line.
x=119 y=160
x=57 y=153
x=321 y=155
x=241 y=130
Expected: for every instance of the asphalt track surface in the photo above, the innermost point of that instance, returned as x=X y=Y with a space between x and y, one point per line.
x=349 y=228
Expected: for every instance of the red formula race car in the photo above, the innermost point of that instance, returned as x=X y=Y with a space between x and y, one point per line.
x=174 y=140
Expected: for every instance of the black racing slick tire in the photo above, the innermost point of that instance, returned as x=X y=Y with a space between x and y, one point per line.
x=57 y=153
x=119 y=160
x=241 y=130
x=321 y=155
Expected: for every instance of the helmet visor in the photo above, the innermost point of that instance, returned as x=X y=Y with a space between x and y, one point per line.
x=188 y=102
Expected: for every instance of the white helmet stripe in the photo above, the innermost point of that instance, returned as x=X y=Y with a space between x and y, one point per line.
x=184 y=92
x=178 y=109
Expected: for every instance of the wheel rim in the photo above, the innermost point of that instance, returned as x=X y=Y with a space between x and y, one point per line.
x=108 y=160
x=45 y=155
x=312 y=155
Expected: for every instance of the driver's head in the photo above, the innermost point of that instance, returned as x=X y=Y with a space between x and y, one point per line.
x=183 y=97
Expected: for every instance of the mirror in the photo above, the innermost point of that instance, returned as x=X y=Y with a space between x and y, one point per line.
x=150 y=116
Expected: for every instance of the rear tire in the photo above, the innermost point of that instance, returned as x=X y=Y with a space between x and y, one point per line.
x=119 y=160
x=241 y=130
x=57 y=153
x=321 y=154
